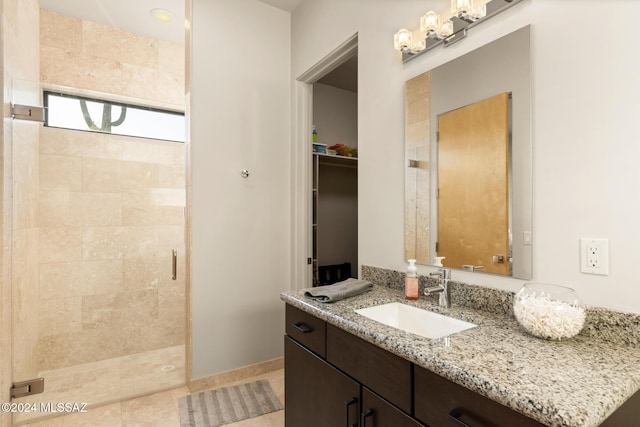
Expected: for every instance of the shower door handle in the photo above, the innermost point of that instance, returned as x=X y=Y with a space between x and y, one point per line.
x=174 y=264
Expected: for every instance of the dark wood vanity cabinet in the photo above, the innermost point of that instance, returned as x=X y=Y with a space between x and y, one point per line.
x=334 y=378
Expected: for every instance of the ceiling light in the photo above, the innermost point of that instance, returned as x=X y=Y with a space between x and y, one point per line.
x=162 y=15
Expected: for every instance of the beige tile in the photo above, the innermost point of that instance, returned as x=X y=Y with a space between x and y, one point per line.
x=55 y=209
x=79 y=144
x=111 y=176
x=171 y=302
x=60 y=244
x=100 y=243
x=123 y=46
x=60 y=316
x=80 y=71
x=60 y=173
x=18 y=43
x=172 y=57
x=273 y=419
x=156 y=410
x=25 y=320
x=25 y=205
x=64 y=350
x=74 y=209
x=48 y=422
x=170 y=237
x=99 y=209
x=60 y=31
x=159 y=207
x=79 y=278
x=153 y=151
x=149 y=272
x=122 y=308
x=153 y=84
x=25 y=154
x=102 y=416
x=172 y=176
x=101 y=175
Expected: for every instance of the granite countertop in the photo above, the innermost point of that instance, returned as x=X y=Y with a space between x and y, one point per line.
x=577 y=382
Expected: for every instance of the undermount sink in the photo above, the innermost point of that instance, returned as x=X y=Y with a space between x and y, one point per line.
x=415 y=320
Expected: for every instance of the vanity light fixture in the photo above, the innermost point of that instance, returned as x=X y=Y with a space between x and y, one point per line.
x=465 y=16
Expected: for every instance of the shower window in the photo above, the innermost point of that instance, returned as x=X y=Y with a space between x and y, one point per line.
x=96 y=115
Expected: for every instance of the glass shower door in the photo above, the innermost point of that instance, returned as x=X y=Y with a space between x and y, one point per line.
x=96 y=220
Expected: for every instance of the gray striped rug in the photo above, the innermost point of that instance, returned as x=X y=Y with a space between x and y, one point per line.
x=227 y=405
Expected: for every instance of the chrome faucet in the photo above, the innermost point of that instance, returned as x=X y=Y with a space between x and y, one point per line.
x=442 y=288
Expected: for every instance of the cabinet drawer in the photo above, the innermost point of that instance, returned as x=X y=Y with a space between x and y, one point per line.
x=308 y=330
x=385 y=373
x=437 y=400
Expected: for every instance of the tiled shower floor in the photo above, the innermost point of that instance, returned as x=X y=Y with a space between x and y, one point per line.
x=161 y=410
x=110 y=380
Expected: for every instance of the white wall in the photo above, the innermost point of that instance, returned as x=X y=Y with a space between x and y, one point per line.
x=335 y=115
x=584 y=114
x=240 y=119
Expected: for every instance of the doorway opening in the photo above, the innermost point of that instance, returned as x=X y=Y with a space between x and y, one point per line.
x=326 y=147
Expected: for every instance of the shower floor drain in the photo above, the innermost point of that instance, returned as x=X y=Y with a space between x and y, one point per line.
x=168 y=368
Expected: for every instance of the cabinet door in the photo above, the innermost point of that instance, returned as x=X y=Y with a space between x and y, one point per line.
x=316 y=394
x=377 y=412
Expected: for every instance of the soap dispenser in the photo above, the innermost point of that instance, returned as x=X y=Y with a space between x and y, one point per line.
x=411 y=291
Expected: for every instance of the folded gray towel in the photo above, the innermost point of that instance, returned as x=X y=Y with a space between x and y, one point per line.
x=337 y=291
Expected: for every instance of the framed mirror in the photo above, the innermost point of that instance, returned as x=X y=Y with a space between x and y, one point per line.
x=463 y=200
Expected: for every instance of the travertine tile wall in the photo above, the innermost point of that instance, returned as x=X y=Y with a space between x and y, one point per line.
x=112 y=207
x=85 y=55
x=19 y=286
x=417 y=147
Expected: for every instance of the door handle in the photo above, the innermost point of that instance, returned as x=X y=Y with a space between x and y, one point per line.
x=302 y=327
x=348 y=403
x=174 y=264
x=454 y=416
x=363 y=417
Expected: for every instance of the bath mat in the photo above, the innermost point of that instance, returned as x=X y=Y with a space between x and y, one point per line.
x=226 y=405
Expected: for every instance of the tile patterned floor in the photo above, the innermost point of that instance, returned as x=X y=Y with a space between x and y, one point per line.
x=160 y=410
x=110 y=380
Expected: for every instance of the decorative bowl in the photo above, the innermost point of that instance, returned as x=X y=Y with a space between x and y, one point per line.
x=551 y=312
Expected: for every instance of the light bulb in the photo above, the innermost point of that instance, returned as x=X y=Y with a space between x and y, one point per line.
x=461 y=7
x=161 y=15
x=402 y=39
x=430 y=23
x=447 y=29
x=479 y=12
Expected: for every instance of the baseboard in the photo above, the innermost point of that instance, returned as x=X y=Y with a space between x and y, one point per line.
x=235 y=375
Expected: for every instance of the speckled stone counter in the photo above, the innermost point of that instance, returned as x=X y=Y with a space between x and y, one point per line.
x=577 y=382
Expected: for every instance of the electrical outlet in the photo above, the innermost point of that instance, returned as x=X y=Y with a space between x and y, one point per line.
x=594 y=256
